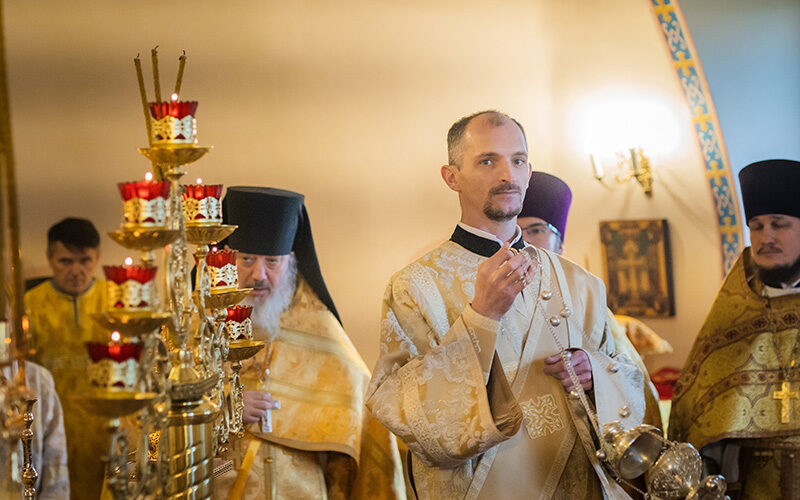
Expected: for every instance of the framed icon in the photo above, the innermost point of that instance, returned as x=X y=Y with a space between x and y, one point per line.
x=638 y=267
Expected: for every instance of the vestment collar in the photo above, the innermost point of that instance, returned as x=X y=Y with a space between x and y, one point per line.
x=481 y=242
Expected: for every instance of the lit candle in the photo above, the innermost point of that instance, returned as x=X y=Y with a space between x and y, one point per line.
x=174 y=97
x=128 y=261
x=114 y=348
x=148 y=176
x=597 y=167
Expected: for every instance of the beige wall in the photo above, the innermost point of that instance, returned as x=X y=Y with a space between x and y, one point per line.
x=349 y=103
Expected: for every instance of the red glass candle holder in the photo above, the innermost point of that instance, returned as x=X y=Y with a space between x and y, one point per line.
x=173 y=123
x=114 y=365
x=222 y=270
x=144 y=203
x=131 y=287
x=238 y=324
x=202 y=204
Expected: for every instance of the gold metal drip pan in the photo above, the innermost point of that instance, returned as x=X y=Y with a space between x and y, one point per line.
x=190 y=391
x=240 y=350
x=230 y=298
x=144 y=239
x=115 y=403
x=208 y=235
x=132 y=323
x=174 y=156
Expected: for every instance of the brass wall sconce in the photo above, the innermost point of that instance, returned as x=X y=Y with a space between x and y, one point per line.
x=632 y=164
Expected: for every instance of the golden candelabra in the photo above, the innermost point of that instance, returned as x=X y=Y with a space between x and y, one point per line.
x=179 y=400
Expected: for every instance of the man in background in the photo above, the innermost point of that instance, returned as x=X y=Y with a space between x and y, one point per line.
x=323 y=442
x=59 y=311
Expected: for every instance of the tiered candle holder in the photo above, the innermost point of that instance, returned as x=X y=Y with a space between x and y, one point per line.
x=177 y=395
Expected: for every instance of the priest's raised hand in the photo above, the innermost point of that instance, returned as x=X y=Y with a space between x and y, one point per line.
x=499 y=280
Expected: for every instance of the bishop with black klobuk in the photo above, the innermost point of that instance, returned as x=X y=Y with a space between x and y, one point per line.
x=322 y=427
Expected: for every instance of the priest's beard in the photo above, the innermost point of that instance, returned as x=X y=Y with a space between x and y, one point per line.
x=497 y=214
x=266 y=316
x=779 y=275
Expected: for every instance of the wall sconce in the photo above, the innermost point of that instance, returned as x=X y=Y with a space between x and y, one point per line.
x=631 y=165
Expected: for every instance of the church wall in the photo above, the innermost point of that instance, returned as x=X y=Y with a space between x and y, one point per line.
x=620 y=83
x=752 y=72
x=349 y=103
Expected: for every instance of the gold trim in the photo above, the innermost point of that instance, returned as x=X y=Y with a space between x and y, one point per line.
x=313 y=396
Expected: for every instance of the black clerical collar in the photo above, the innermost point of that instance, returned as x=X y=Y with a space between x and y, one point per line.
x=480 y=245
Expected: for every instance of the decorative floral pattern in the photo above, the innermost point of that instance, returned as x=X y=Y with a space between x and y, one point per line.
x=224 y=277
x=108 y=373
x=205 y=211
x=131 y=295
x=541 y=417
x=172 y=130
x=141 y=212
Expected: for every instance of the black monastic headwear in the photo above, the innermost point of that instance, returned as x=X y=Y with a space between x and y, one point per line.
x=275 y=222
x=771 y=187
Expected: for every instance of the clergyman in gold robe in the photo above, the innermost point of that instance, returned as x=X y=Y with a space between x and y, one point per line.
x=323 y=444
x=737 y=396
x=543 y=221
x=59 y=311
x=471 y=375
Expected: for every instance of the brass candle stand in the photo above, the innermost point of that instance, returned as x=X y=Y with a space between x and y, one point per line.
x=181 y=376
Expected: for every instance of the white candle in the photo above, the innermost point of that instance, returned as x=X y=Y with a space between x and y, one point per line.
x=597 y=167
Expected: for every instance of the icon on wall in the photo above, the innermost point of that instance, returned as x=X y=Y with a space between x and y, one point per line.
x=638 y=267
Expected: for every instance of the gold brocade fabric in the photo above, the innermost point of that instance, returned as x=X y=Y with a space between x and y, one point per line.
x=320 y=380
x=726 y=387
x=60 y=324
x=500 y=429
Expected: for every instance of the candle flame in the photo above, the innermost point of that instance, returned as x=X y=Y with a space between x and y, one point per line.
x=128 y=261
x=199 y=180
x=213 y=249
x=148 y=176
x=174 y=97
x=115 y=336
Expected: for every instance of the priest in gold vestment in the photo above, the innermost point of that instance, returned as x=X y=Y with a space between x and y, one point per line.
x=470 y=376
x=737 y=397
x=323 y=444
x=59 y=311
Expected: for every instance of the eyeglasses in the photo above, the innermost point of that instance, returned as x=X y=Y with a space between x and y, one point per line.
x=539 y=228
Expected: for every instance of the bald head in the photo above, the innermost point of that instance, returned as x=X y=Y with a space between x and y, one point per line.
x=455 y=135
